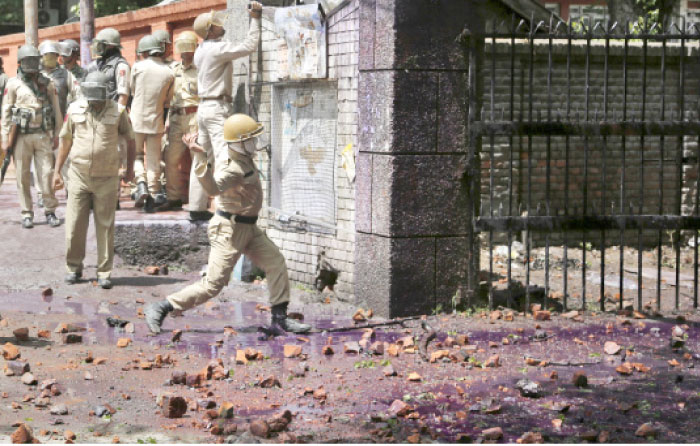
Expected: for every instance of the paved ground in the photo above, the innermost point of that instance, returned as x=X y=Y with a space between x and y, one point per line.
x=469 y=392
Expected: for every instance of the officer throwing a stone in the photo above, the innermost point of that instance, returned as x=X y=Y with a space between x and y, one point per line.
x=233 y=230
x=31 y=103
x=89 y=134
x=214 y=75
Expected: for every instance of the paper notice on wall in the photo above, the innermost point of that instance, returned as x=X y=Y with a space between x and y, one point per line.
x=301 y=52
x=348 y=156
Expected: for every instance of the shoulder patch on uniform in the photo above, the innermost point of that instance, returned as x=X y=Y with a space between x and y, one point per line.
x=122 y=72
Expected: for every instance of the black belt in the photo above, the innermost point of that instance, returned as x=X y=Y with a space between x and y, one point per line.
x=237 y=218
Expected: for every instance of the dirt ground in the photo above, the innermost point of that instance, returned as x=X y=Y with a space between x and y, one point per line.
x=494 y=377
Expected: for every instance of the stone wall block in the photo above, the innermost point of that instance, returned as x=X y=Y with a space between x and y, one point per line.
x=375 y=101
x=368 y=12
x=363 y=192
x=373 y=272
x=383 y=177
x=412 y=276
x=451 y=268
x=452 y=112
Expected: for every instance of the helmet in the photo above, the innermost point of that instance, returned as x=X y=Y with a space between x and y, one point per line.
x=149 y=44
x=68 y=47
x=240 y=127
x=109 y=36
x=94 y=87
x=186 y=42
x=49 y=46
x=162 y=35
x=28 y=58
x=205 y=20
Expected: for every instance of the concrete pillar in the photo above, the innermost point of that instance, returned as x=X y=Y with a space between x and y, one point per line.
x=411 y=188
x=31 y=22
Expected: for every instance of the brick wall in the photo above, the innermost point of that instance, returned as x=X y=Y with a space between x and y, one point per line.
x=604 y=156
x=303 y=249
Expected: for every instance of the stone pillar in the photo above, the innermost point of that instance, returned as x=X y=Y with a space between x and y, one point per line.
x=411 y=189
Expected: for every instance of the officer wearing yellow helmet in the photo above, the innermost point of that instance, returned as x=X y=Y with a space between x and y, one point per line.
x=233 y=230
x=182 y=119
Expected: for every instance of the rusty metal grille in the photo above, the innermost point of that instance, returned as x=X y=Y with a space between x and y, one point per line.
x=584 y=135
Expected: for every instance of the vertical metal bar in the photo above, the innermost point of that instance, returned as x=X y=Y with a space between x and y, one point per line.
x=659 y=253
x=679 y=159
x=529 y=161
x=697 y=212
x=492 y=161
x=641 y=170
x=510 y=150
x=604 y=159
x=623 y=164
x=566 y=166
x=474 y=47
x=548 y=168
x=585 y=167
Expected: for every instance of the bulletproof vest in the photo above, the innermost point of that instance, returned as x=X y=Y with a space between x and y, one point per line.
x=78 y=72
x=60 y=81
x=109 y=68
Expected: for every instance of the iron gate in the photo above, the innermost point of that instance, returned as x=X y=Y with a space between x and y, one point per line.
x=585 y=136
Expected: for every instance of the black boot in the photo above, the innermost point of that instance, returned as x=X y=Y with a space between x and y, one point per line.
x=141 y=194
x=155 y=314
x=149 y=206
x=279 y=318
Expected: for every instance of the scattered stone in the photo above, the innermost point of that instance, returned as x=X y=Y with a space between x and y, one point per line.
x=580 y=379
x=151 y=270
x=225 y=410
x=351 y=348
x=494 y=433
x=623 y=369
x=193 y=380
x=611 y=348
x=23 y=435
x=59 y=409
x=393 y=350
x=413 y=376
x=292 y=351
x=530 y=438
x=299 y=370
x=462 y=340
x=46 y=292
x=568 y=315
x=603 y=437
x=123 y=342
x=529 y=388
x=260 y=428
x=279 y=422
x=179 y=377
x=460 y=355
x=646 y=430
x=72 y=338
x=399 y=409
x=496 y=315
x=542 y=315
x=438 y=355
x=493 y=361
x=413 y=439
x=17 y=368
x=69 y=435
x=269 y=382
x=590 y=435
x=320 y=393
x=45 y=334
x=101 y=411
x=21 y=334
x=377 y=348
x=389 y=370
x=174 y=406
x=68 y=328
x=88 y=376
x=29 y=379
x=327 y=350
x=99 y=361
x=10 y=352
x=176 y=336
x=129 y=328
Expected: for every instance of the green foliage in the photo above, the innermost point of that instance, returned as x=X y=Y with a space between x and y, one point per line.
x=109 y=7
x=365 y=364
x=148 y=440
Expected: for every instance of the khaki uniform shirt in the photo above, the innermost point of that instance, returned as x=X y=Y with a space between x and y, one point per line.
x=185 y=88
x=152 y=87
x=94 y=136
x=213 y=61
x=238 y=181
x=19 y=94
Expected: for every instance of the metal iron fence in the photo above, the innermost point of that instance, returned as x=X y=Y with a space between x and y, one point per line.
x=618 y=100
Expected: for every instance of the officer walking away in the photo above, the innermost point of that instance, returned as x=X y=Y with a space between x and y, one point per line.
x=152 y=89
x=70 y=55
x=89 y=134
x=182 y=119
x=214 y=75
x=31 y=104
x=233 y=230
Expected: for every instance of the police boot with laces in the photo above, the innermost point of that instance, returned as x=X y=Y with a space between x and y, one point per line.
x=280 y=319
x=141 y=194
x=52 y=220
x=155 y=314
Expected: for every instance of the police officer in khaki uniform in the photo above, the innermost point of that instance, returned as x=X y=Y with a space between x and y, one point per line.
x=233 y=230
x=89 y=134
x=152 y=88
x=67 y=87
x=31 y=102
x=182 y=119
x=70 y=55
x=163 y=37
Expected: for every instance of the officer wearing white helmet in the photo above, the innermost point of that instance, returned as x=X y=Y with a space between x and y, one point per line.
x=31 y=103
x=233 y=230
x=89 y=134
x=152 y=88
x=70 y=55
x=215 y=73
x=182 y=119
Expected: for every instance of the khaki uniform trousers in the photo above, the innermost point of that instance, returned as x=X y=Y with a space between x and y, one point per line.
x=175 y=179
x=211 y=115
x=102 y=194
x=37 y=146
x=228 y=241
x=150 y=173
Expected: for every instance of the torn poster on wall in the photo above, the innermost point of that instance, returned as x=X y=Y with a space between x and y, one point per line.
x=301 y=53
